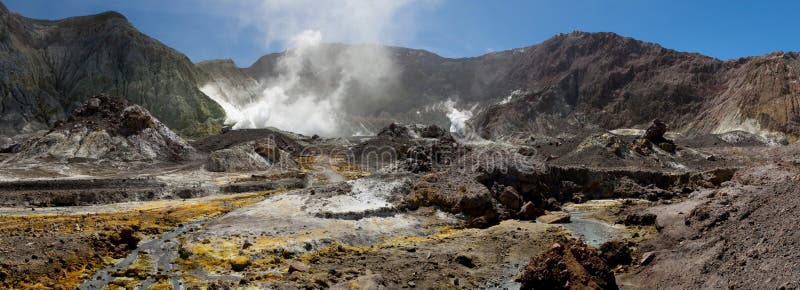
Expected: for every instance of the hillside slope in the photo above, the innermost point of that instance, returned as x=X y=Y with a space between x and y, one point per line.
x=48 y=68
x=579 y=80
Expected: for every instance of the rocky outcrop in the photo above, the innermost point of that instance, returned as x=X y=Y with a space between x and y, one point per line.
x=417 y=148
x=111 y=128
x=286 y=141
x=569 y=264
x=395 y=130
x=48 y=68
x=654 y=136
x=251 y=156
x=655 y=133
x=456 y=195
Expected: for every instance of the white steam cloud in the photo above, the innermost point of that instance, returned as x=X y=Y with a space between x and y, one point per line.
x=288 y=102
x=458 y=118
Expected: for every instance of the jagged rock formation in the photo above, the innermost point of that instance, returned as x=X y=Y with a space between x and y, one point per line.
x=48 y=68
x=108 y=127
x=251 y=156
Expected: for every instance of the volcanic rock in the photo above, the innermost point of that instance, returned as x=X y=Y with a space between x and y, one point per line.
x=107 y=127
x=395 y=130
x=642 y=146
x=125 y=237
x=616 y=253
x=529 y=211
x=432 y=131
x=569 y=264
x=510 y=198
x=251 y=156
x=271 y=152
x=655 y=133
x=239 y=158
x=647 y=258
x=554 y=217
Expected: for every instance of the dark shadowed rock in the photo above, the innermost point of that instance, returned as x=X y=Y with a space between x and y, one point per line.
x=395 y=130
x=644 y=219
x=529 y=211
x=125 y=236
x=655 y=133
x=432 y=131
x=510 y=198
x=616 y=253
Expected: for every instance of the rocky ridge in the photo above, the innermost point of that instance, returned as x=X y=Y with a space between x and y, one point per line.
x=108 y=128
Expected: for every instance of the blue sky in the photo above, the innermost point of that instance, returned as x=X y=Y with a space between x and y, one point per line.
x=208 y=29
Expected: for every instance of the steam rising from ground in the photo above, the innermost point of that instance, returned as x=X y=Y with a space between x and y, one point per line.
x=458 y=118
x=314 y=81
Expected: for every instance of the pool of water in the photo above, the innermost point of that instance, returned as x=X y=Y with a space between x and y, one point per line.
x=591 y=231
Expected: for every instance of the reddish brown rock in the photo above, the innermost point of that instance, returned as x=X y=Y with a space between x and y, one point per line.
x=569 y=264
x=510 y=198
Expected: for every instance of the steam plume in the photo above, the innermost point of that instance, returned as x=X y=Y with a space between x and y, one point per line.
x=315 y=81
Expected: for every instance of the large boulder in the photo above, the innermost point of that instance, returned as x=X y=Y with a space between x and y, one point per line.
x=454 y=194
x=529 y=211
x=655 y=132
x=236 y=159
x=510 y=198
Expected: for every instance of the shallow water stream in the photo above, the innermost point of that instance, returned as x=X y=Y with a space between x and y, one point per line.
x=590 y=230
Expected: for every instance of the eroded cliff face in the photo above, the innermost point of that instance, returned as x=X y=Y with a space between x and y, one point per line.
x=606 y=81
x=48 y=68
x=759 y=95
